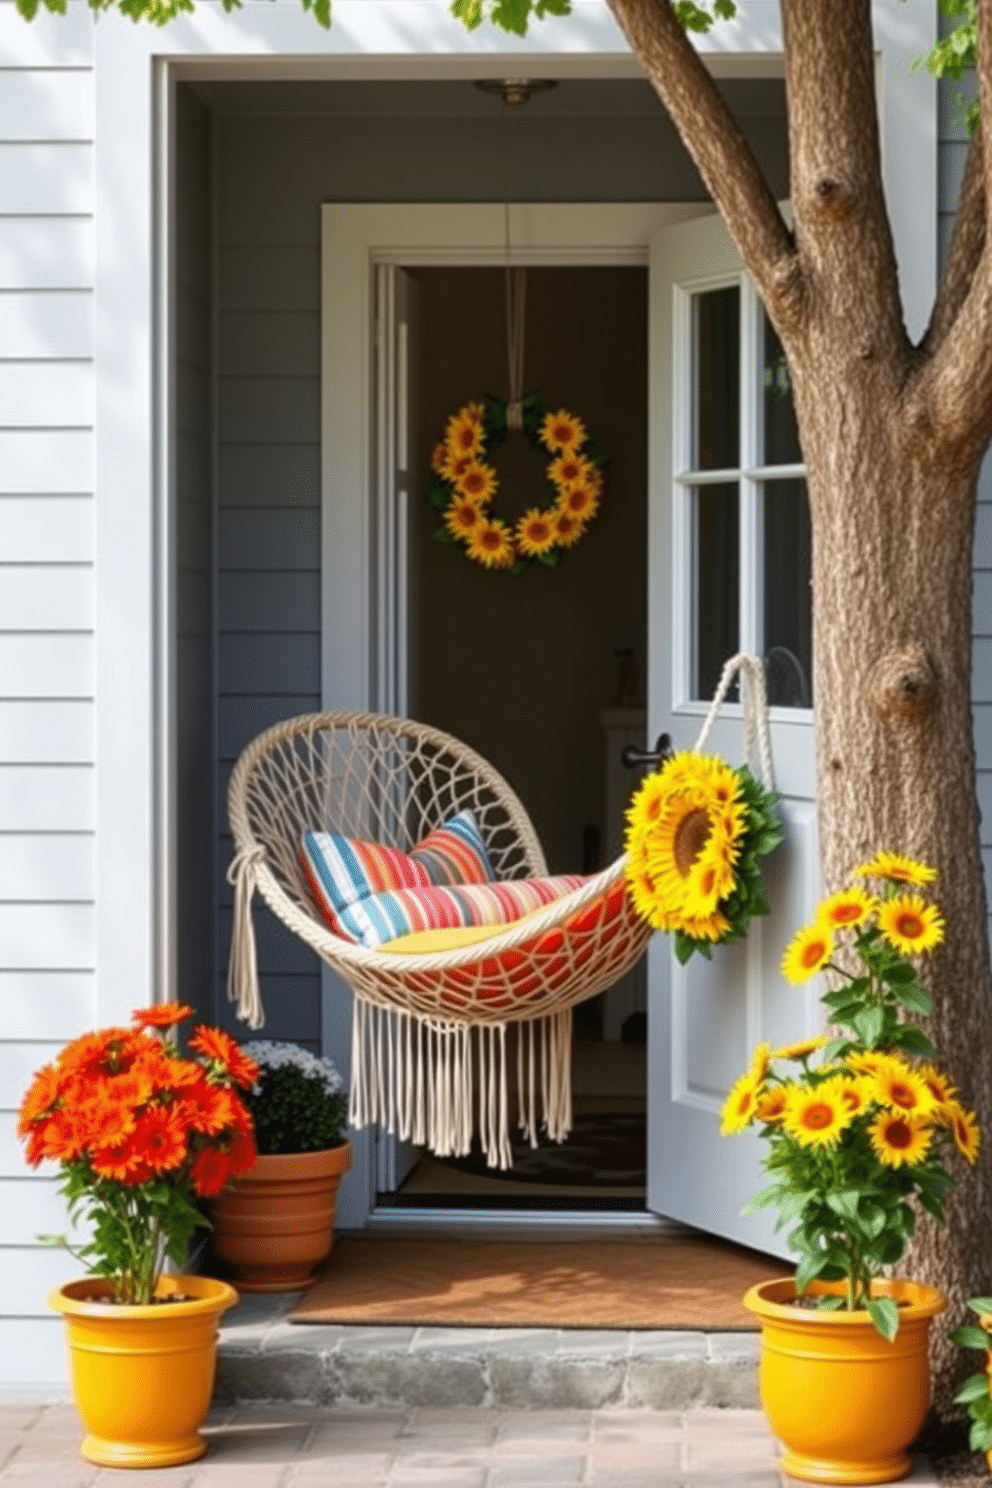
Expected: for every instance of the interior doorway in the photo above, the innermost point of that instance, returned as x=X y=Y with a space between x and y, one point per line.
x=543 y=672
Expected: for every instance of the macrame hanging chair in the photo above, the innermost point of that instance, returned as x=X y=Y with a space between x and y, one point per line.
x=429 y=1032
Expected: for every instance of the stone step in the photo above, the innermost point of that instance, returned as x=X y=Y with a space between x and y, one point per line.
x=264 y=1357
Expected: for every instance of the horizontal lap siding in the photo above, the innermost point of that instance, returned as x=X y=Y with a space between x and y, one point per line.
x=953 y=149
x=47 y=954
x=268 y=592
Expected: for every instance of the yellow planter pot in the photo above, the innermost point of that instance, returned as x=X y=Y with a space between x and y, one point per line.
x=142 y=1377
x=274 y=1226
x=843 y=1401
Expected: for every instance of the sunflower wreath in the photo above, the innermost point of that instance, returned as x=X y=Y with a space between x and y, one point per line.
x=695 y=832
x=464 y=482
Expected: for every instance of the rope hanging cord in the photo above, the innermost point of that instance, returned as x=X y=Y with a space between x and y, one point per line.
x=755 y=707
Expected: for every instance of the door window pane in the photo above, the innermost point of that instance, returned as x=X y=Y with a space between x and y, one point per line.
x=788 y=617
x=781 y=436
x=716 y=584
x=716 y=379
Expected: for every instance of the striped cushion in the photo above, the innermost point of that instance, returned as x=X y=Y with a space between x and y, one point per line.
x=343 y=870
x=383 y=917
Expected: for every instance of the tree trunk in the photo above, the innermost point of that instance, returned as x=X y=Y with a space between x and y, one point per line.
x=892 y=553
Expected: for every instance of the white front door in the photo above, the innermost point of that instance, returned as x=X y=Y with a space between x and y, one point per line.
x=729 y=572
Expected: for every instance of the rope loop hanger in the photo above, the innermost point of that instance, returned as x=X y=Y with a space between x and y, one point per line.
x=754 y=702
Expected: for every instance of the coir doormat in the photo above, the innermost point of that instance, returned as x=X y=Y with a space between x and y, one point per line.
x=668 y=1282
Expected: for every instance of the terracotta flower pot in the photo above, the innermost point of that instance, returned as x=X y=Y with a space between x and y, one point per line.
x=274 y=1226
x=142 y=1377
x=843 y=1401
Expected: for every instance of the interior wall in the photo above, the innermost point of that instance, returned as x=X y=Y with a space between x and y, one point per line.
x=521 y=666
x=195 y=678
x=282 y=150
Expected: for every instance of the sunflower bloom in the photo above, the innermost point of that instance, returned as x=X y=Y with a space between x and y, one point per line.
x=477 y=482
x=937 y=1083
x=771 y=1105
x=741 y=1105
x=535 y=533
x=857 y=1093
x=963 y=1127
x=582 y=500
x=802 y=1048
x=43 y=1096
x=760 y=1060
x=910 y=924
x=462 y=517
x=465 y=434
x=902 y=1089
x=568 y=529
x=849 y=907
x=897 y=869
x=900 y=1139
x=491 y=544
x=562 y=431
x=807 y=953
x=568 y=469
x=816 y=1117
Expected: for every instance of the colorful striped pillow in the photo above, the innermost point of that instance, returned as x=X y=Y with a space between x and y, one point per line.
x=343 y=870
x=379 y=918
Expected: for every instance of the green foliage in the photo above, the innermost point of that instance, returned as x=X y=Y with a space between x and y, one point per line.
x=133 y=1230
x=159 y=12
x=514 y=15
x=956 y=53
x=298 y=1104
x=974 y=1393
x=856 y=1143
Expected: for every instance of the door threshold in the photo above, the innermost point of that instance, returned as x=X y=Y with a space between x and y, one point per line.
x=392 y=1218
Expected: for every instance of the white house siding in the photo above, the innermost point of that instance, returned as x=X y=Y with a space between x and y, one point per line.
x=46 y=627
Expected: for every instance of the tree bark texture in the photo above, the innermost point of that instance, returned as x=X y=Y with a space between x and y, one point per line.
x=892 y=436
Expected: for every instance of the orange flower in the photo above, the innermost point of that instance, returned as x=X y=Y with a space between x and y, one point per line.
x=208 y=1108
x=160 y=1138
x=163 y=1015
x=220 y=1049
x=42 y=1096
x=210 y=1171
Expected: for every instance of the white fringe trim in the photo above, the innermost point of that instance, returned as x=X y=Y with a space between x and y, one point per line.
x=432 y=1082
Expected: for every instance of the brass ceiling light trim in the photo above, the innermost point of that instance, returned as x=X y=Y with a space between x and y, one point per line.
x=516 y=90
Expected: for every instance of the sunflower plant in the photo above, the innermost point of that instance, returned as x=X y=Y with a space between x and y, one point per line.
x=696 y=830
x=464 y=482
x=141 y=1132
x=858 y=1138
x=975 y=1392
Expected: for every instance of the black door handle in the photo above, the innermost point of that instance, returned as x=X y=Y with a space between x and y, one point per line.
x=633 y=758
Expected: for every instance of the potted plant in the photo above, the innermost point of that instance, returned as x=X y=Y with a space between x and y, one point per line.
x=855 y=1141
x=976 y=1392
x=274 y=1227
x=141 y=1132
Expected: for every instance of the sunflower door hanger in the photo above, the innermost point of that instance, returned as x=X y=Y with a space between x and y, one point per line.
x=697 y=828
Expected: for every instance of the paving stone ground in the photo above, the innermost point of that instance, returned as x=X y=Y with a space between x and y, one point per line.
x=293 y=1446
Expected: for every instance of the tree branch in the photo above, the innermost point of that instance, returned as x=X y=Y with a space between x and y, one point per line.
x=951 y=399
x=720 y=152
x=842 y=227
x=965 y=251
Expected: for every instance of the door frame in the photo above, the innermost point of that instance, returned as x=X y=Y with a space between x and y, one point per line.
x=362 y=557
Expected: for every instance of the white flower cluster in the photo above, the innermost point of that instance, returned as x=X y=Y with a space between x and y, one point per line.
x=271 y=1055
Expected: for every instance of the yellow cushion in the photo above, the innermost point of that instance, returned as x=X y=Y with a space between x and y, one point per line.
x=426 y=942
